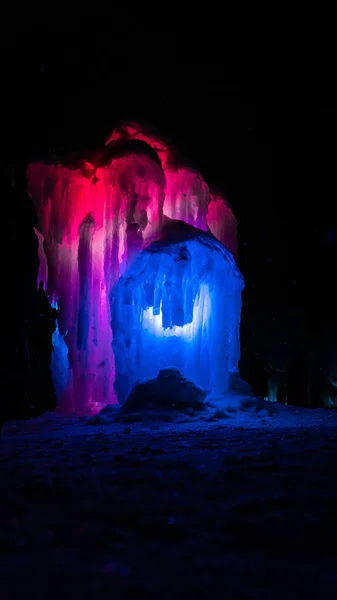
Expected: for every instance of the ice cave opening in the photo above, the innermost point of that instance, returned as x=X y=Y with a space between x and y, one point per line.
x=103 y=217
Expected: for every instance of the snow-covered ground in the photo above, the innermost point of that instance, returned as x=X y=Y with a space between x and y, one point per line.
x=238 y=504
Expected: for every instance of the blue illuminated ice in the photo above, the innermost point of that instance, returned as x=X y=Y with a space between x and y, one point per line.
x=59 y=367
x=178 y=306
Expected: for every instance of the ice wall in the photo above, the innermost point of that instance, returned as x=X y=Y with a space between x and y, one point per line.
x=91 y=229
x=187 y=195
x=222 y=222
x=178 y=305
x=96 y=213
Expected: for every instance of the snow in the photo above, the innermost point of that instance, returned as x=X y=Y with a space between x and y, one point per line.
x=178 y=305
x=241 y=506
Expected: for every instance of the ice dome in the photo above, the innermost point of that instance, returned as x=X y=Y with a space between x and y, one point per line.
x=178 y=306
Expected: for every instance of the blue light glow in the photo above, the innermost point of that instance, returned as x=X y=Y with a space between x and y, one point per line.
x=153 y=324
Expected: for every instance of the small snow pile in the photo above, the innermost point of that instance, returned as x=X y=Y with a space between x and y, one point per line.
x=240 y=405
x=168 y=393
x=106 y=416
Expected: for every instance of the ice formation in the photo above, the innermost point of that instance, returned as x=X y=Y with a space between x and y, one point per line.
x=178 y=306
x=97 y=211
x=187 y=195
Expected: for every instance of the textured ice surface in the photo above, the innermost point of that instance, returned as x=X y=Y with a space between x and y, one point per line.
x=91 y=230
x=178 y=305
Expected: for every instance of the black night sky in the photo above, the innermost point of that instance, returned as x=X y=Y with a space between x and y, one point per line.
x=258 y=125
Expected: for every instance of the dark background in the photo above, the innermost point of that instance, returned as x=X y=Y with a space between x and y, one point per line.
x=260 y=124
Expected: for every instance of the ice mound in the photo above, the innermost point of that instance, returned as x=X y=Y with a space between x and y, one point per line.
x=172 y=398
x=169 y=391
x=168 y=397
